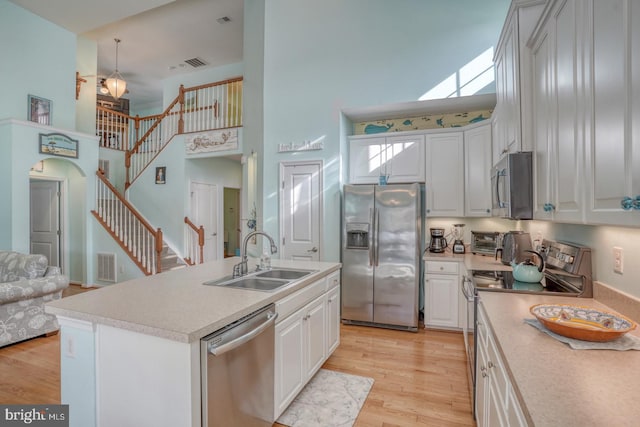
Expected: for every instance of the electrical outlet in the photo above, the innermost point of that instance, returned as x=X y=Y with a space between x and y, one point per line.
x=618 y=260
x=69 y=346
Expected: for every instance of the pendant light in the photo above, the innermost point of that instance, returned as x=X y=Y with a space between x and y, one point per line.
x=115 y=83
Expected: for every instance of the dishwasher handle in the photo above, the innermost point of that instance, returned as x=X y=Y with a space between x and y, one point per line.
x=226 y=347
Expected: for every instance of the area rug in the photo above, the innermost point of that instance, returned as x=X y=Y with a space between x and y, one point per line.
x=330 y=399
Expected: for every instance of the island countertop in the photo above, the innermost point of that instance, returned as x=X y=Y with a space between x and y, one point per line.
x=175 y=304
x=559 y=386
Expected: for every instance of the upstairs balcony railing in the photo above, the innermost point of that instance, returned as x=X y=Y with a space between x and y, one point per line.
x=207 y=107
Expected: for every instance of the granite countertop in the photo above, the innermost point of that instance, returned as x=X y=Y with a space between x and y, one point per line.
x=175 y=304
x=558 y=386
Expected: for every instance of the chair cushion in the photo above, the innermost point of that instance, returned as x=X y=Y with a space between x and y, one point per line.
x=14 y=265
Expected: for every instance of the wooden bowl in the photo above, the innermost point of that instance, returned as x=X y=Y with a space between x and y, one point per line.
x=582 y=323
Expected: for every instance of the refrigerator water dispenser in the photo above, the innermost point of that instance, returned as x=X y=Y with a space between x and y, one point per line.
x=357 y=235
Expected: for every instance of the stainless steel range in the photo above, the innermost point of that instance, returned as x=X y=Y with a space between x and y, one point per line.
x=567 y=273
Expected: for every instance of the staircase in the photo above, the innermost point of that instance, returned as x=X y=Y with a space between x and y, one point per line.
x=202 y=108
x=169 y=260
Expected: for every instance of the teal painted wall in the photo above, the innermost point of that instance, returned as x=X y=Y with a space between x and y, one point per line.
x=38 y=58
x=338 y=54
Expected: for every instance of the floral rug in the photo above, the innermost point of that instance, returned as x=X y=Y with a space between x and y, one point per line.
x=330 y=399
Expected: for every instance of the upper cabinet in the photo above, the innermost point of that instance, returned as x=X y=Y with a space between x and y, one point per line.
x=477 y=171
x=557 y=139
x=511 y=117
x=613 y=93
x=398 y=158
x=586 y=109
x=444 y=190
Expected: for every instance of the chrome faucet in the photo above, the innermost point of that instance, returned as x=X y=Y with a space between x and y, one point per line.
x=241 y=268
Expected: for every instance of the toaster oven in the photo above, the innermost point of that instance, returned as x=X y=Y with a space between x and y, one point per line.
x=485 y=242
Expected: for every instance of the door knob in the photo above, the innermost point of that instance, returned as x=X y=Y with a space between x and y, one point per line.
x=214 y=234
x=314 y=249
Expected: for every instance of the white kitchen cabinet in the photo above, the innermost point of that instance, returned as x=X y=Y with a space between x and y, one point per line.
x=558 y=141
x=399 y=158
x=496 y=403
x=299 y=351
x=442 y=294
x=333 y=312
x=613 y=149
x=477 y=170
x=444 y=188
x=511 y=115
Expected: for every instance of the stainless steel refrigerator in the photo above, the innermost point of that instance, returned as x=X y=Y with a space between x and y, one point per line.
x=381 y=255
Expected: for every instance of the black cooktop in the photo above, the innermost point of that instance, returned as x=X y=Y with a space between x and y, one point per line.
x=503 y=281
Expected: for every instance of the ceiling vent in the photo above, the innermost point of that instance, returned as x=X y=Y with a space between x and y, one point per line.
x=195 y=62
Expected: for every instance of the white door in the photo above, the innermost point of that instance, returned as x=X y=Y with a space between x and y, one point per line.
x=300 y=210
x=204 y=209
x=45 y=220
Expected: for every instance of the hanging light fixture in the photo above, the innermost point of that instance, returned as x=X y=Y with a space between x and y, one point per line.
x=115 y=83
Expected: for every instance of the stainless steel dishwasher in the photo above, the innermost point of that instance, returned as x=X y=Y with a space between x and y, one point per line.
x=237 y=372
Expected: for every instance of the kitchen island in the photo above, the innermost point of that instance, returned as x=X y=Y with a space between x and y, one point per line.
x=554 y=384
x=130 y=352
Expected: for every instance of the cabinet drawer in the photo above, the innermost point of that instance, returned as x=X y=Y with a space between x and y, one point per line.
x=441 y=267
x=333 y=280
x=293 y=302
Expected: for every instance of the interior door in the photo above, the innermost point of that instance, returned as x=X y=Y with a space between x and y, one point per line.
x=45 y=224
x=300 y=210
x=204 y=209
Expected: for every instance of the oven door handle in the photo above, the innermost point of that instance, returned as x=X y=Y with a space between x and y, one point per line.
x=468 y=293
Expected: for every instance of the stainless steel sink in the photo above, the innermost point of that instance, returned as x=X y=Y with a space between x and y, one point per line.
x=255 y=283
x=268 y=280
x=284 y=273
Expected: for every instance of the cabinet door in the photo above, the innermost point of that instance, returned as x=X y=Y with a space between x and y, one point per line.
x=558 y=139
x=333 y=320
x=482 y=387
x=477 y=161
x=315 y=325
x=290 y=370
x=367 y=160
x=445 y=174
x=405 y=158
x=441 y=300
x=613 y=160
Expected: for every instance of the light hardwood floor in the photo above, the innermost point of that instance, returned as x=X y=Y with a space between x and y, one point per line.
x=420 y=378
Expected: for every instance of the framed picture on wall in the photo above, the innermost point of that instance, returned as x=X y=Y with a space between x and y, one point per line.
x=39 y=110
x=161 y=175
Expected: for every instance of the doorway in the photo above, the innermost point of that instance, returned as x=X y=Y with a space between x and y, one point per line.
x=301 y=210
x=45 y=220
x=204 y=210
x=232 y=230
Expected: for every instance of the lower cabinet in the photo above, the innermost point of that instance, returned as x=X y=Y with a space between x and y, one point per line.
x=305 y=338
x=496 y=403
x=442 y=287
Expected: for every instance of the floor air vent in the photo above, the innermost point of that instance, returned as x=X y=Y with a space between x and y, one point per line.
x=107 y=267
x=195 y=62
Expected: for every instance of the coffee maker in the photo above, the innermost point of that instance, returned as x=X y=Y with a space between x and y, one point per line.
x=458 y=243
x=437 y=243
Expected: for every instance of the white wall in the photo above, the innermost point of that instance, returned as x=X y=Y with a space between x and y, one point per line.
x=337 y=55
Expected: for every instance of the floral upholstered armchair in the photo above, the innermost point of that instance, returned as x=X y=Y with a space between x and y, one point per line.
x=26 y=284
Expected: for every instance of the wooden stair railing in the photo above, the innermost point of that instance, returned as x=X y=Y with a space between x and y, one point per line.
x=122 y=221
x=212 y=106
x=195 y=255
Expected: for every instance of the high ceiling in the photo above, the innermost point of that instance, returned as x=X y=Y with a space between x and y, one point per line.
x=157 y=36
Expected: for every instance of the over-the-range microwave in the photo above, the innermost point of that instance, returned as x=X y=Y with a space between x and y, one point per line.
x=512 y=186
